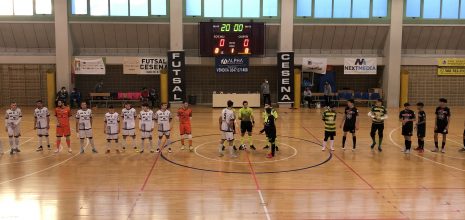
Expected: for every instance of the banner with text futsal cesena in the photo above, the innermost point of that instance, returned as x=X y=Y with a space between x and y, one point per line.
x=89 y=66
x=144 y=65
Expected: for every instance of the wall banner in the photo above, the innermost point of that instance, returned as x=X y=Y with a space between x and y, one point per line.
x=286 y=77
x=361 y=66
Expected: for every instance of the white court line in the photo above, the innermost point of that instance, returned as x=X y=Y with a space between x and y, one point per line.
x=22 y=143
x=457 y=158
x=43 y=170
x=265 y=208
x=232 y=161
x=416 y=155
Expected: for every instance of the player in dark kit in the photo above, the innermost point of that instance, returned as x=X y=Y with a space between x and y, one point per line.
x=270 y=131
x=463 y=148
x=350 y=123
x=378 y=114
x=407 y=117
x=441 y=124
x=421 y=127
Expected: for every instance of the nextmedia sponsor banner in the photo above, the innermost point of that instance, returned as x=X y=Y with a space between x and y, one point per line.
x=286 y=77
x=314 y=65
x=176 y=76
x=361 y=66
x=144 y=65
x=89 y=66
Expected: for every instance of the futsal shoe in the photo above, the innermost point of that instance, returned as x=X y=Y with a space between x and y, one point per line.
x=233 y=155
x=117 y=151
x=82 y=150
x=462 y=150
x=380 y=149
x=407 y=152
x=353 y=149
x=277 y=148
x=443 y=150
x=17 y=150
x=58 y=150
x=421 y=150
x=221 y=154
x=435 y=150
x=234 y=147
x=266 y=147
x=417 y=149
x=269 y=156
x=48 y=147
x=253 y=147
x=343 y=148
x=183 y=147
x=242 y=147
x=169 y=150
x=223 y=148
x=94 y=150
x=191 y=148
x=12 y=152
x=40 y=148
x=108 y=151
x=124 y=148
x=332 y=149
x=141 y=152
x=323 y=149
x=373 y=146
x=158 y=150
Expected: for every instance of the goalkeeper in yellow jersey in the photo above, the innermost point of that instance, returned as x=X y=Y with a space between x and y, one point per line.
x=247 y=123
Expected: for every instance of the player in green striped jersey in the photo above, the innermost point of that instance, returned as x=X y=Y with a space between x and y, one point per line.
x=329 y=118
x=378 y=114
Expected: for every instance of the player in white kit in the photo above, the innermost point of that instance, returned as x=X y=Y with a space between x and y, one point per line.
x=42 y=124
x=12 y=126
x=129 y=124
x=84 y=126
x=111 y=125
x=146 y=124
x=226 y=122
x=163 y=118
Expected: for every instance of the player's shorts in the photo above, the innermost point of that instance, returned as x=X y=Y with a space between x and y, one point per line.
x=441 y=129
x=146 y=134
x=161 y=133
x=112 y=136
x=330 y=133
x=246 y=126
x=128 y=132
x=227 y=135
x=349 y=128
x=42 y=132
x=13 y=131
x=63 y=131
x=407 y=130
x=185 y=129
x=85 y=133
x=421 y=131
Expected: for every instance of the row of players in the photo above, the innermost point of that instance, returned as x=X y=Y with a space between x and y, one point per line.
x=112 y=129
x=378 y=114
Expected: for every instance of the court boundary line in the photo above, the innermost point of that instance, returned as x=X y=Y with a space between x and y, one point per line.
x=342 y=161
x=262 y=200
x=416 y=155
x=45 y=169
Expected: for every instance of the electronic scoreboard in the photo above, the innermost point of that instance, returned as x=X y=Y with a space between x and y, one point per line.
x=231 y=38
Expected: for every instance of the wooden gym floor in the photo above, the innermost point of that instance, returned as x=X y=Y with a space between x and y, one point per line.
x=302 y=182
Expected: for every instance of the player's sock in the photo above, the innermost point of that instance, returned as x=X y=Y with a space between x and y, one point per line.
x=151 y=143
x=124 y=143
x=220 y=148
x=242 y=140
x=409 y=145
x=250 y=140
x=47 y=140
x=159 y=144
x=11 y=142
x=16 y=143
x=344 y=141
x=81 y=142
x=142 y=143
x=331 y=144
x=133 y=141
x=91 y=140
x=354 y=140
x=405 y=144
x=419 y=144
x=40 y=140
x=68 y=143
x=190 y=142
x=168 y=143
x=273 y=149
x=108 y=145
x=324 y=145
x=231 y=150
x=58 y=143
x=374 y=141
x=182 y=141
x=443 y=145
x=436 y=144
x=380 y=142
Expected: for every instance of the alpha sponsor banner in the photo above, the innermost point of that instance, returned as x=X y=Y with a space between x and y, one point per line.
x=451 y=62
x=89 y=66
x=314 y=65
x=144 y=65
x=286 y=77
x=232 y=64
x=176 y=76
x=360 y=66
x=451 y=71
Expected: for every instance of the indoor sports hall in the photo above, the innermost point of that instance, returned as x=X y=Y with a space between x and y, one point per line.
x=232 y=109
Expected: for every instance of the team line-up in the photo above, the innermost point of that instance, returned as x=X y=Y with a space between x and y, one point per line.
x=162 y=119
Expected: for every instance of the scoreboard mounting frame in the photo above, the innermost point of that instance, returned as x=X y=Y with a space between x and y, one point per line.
x=231 y=38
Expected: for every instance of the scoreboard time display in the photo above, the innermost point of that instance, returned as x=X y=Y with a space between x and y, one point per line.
x=231 y=38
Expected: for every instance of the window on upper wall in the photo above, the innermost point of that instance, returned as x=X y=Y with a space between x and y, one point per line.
x=232 y=8
x=435 y=9
x=139 y=8
x=25 y=7
x=359 y=9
